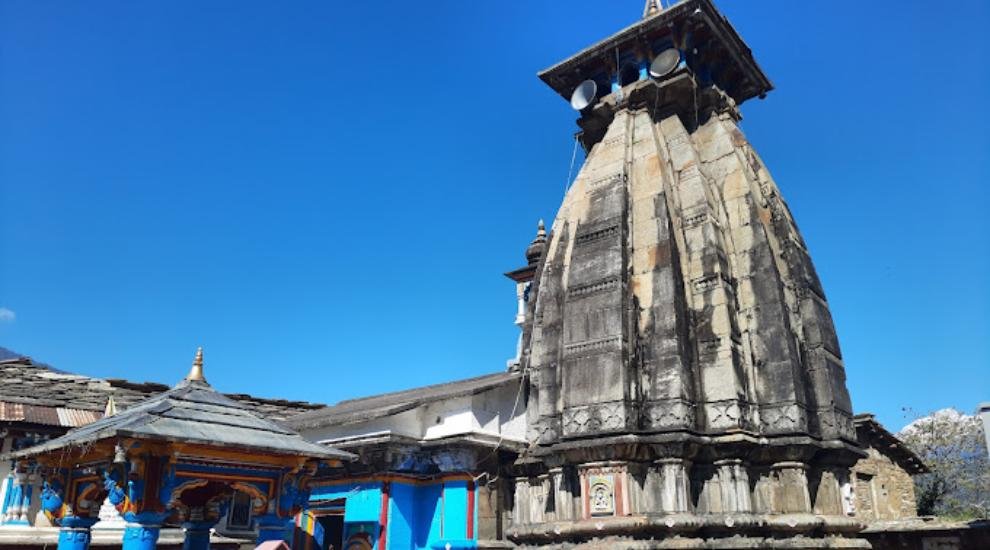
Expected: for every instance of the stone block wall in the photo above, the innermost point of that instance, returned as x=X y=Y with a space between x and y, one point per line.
x=884 y=491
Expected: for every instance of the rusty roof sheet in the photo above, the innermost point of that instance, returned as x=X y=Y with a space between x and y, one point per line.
x=45 y=415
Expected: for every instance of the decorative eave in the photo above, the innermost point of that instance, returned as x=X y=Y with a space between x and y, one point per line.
x=523 y=274
x=566 y=75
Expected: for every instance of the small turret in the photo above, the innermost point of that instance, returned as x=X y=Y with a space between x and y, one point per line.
x=524 y=280
x=538 y=247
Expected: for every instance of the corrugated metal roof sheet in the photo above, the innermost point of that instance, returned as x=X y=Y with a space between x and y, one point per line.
x=47 y=416
x=77 y=417
x=11 y=412
x=37 y=414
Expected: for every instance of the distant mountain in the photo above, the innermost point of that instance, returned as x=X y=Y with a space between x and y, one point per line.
x=938 y=419
x=9 y=354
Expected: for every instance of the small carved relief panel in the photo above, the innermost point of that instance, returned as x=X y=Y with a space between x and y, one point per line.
x=601 y=494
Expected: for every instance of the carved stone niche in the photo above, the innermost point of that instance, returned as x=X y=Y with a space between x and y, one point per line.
x=723 y=488
x=659 y=487
x=790 y=488
x=830 y=491
x=604 y=489
x=531 y=497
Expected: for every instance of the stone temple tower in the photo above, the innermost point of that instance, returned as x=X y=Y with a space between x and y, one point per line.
x=686 y=388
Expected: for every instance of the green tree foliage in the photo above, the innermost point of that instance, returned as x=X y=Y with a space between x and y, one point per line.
x=952 y=444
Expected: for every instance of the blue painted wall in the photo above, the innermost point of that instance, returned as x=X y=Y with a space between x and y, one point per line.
x=455 y=510
x=402 y=516
x=361 y=509
x=431 y=515
x=420 y=516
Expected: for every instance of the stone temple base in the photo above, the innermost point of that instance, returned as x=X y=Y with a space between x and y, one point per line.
x=732 y=543
x=727 y=532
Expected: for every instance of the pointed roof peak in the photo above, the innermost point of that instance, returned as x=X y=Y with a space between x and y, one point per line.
x=538 y=247
x=111 y=408
x=196 y=372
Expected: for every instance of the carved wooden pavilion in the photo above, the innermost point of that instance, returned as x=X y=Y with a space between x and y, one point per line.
x=175 y=459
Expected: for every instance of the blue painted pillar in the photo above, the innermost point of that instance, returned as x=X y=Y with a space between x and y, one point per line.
x=141 y=536
x=16 y=514
x=8 y=494
x=26 y=493
x=272 y=527
x=74 y=534
x=197 y=535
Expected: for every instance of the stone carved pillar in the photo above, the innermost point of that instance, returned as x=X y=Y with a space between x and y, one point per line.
x=790 y=488
x=734 y=486
x=830 y=496
x=675 y=485
x=539 y=491
x=520 y=509
x=565 y=488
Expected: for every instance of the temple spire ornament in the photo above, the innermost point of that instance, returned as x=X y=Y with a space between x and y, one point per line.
x=196 y=372
x=652 y=7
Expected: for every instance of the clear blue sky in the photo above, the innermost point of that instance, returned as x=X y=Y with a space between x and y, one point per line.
x=325 y=194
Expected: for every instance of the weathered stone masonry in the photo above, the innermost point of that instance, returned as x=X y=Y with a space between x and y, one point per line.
x=686 y=385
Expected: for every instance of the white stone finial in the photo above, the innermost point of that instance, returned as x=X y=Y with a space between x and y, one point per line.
x=111 y=408
x=652 y=7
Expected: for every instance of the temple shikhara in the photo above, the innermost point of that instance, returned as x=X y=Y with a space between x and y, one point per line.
x=677 y=383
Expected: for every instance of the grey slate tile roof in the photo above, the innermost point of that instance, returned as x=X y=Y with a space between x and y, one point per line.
x=193 y=412
x=377 y=406
x=38 y=394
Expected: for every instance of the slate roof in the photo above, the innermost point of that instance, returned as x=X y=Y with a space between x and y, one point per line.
x=377 y=406
x=871 y=433
x=35 y=393
x=193 y=412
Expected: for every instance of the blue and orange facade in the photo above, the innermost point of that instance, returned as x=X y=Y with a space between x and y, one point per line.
x=392 y=511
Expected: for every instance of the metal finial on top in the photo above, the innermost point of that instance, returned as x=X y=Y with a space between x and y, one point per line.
x=196 y=372
x=541 y=231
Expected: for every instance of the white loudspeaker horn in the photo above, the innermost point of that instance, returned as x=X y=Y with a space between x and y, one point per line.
x=665 y=62
x=584 y=94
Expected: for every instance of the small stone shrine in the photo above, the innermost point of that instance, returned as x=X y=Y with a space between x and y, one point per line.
x=175 y=459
